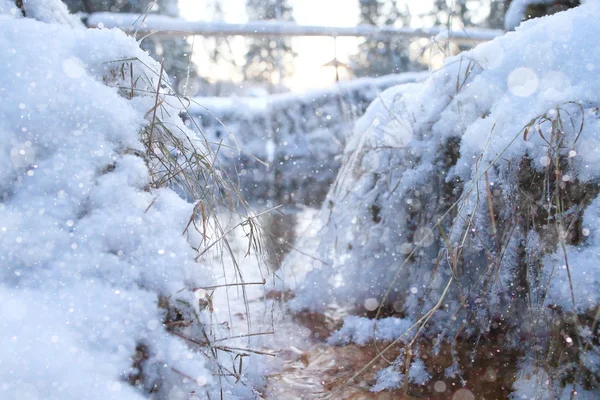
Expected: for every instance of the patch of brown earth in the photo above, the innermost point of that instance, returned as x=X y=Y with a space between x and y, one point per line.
x=321 y=326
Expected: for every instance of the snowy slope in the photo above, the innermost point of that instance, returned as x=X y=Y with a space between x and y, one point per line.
x=92 y=257
x=482 y=181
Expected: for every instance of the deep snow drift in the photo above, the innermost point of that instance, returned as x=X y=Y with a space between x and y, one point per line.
x=468 y=204
x=95 y=273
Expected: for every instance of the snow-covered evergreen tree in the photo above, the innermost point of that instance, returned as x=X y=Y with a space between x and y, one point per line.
x=269 y=59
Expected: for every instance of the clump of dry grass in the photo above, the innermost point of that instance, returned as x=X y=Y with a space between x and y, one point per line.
x=539 y=201
x=179 y=159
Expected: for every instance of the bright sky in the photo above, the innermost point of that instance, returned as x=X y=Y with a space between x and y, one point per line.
x=312 y=52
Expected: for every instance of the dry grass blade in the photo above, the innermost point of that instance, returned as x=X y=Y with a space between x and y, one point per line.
x=226 y=285
x=490 y=203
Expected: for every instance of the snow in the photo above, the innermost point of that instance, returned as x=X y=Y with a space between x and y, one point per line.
x=391 y=377
x=361 y=330
x=7 y=7
x=429 y=162
x=504 y=102
x=90 y=253
x=388 y=378
x=585 y=278
x=428 y=204
x=515 y=13
x=51 y=11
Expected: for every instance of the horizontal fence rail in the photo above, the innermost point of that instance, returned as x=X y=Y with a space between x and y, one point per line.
x=168 y=26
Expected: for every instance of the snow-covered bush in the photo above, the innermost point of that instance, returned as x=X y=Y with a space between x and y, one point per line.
x=96 y=256
x=469 y=203
x=300 y=135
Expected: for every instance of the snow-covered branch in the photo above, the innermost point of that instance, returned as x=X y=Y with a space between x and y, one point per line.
x=162 y=25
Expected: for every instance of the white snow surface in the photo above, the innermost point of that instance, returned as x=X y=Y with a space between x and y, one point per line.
x=8 y=7
x=51 y=11
x=86 y=250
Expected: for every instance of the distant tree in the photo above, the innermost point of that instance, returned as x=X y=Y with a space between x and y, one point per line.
x=221 y=51
x=176 y=52
x=270 y=59
x=383 y=55
x=490 y=13
x=495 y=18
x=468 y=13
x=90 y=6
x=456 y=15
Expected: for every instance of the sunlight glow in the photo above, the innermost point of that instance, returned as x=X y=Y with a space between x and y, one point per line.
x=312 y=52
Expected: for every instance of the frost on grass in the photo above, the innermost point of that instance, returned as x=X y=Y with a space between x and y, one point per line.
x=469 y=203
x=361 y=330
x=94 y=284
x=391 y=377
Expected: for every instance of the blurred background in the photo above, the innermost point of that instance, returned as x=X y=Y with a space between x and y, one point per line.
x=257 y=66
x=277 y=102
